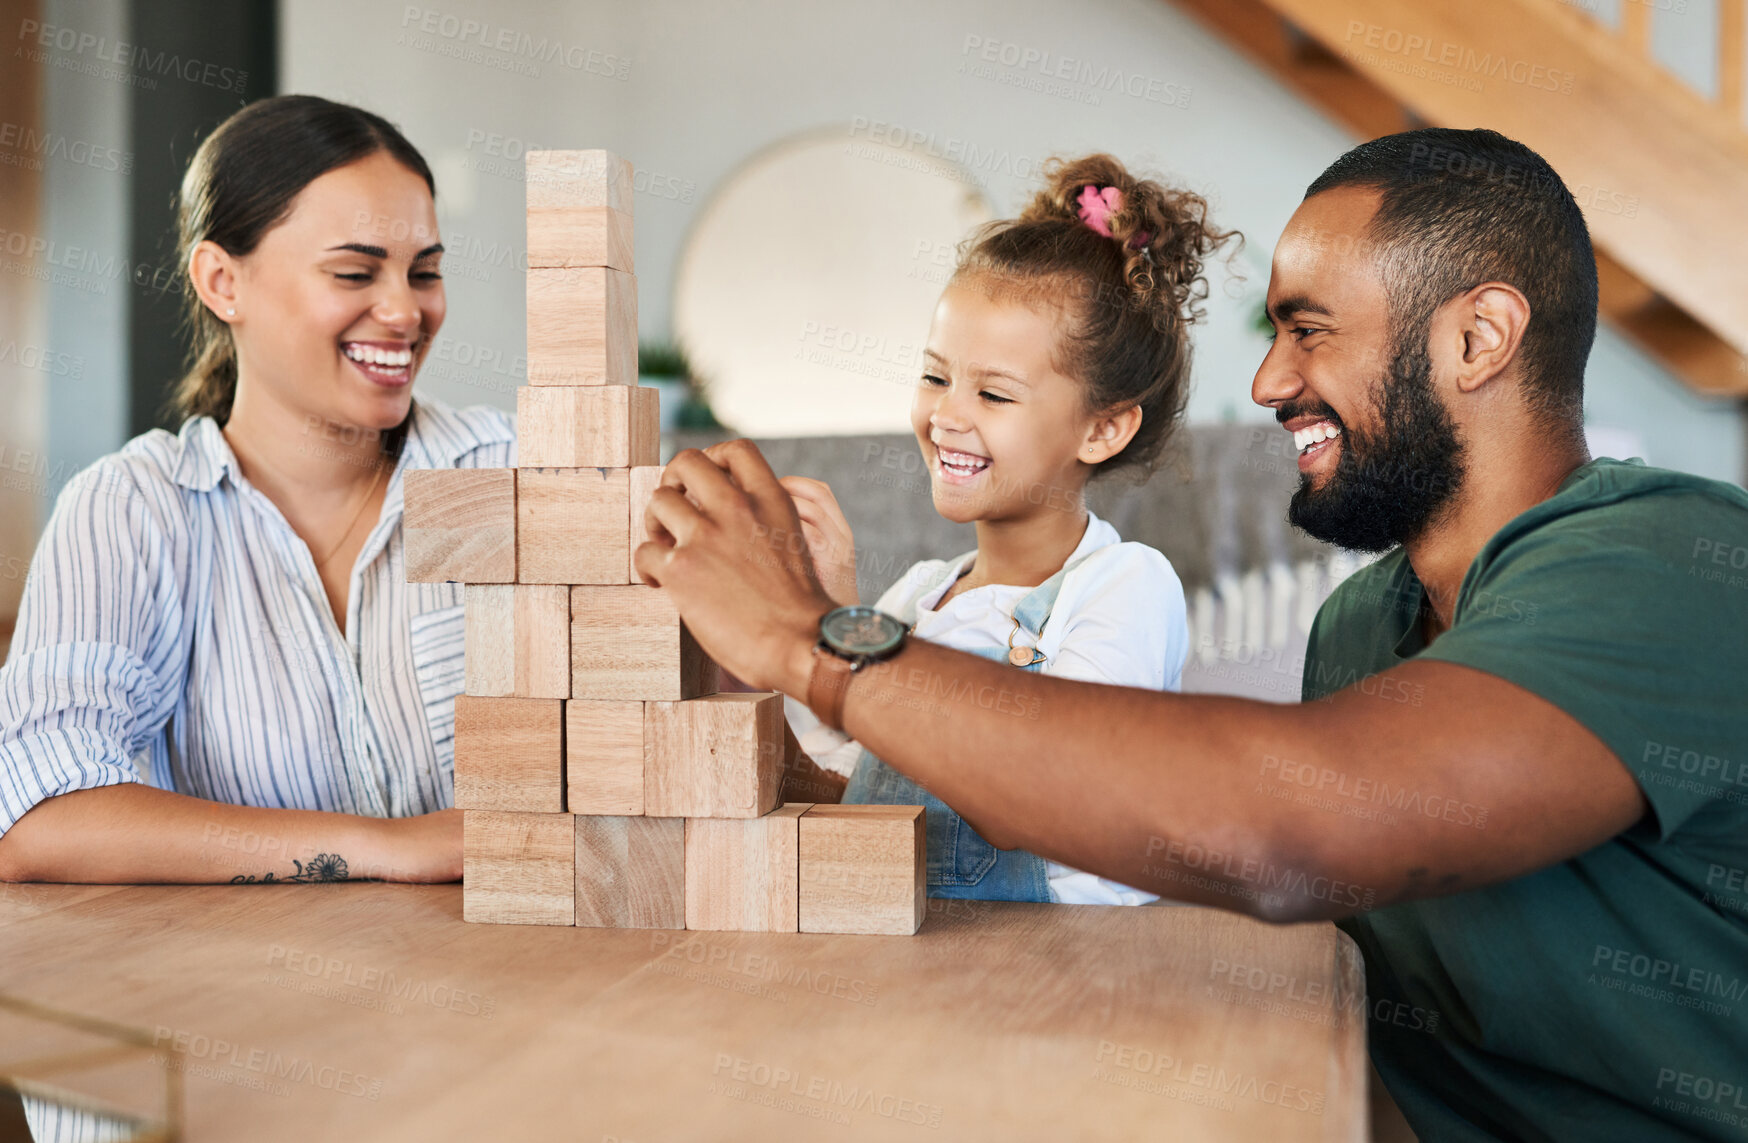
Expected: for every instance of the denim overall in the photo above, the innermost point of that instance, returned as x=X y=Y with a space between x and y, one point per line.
x=961 y=863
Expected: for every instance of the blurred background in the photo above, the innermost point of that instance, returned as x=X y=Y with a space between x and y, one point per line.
x=804 y=170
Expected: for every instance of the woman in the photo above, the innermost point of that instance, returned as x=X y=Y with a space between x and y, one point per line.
x=226 y=608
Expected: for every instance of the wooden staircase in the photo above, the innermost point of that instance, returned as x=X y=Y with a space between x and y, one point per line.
x=1660 y=169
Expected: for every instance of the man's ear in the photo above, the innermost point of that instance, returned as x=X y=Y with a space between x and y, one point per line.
x=1110 y=434
x=1481 y=332
x=213 y=272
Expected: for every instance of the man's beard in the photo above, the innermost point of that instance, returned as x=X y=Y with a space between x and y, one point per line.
x=1388 y=486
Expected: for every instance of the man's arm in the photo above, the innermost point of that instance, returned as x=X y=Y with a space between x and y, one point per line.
x=1429 y=779
x=1287 y=812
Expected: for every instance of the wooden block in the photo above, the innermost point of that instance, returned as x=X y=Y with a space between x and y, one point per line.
x=570 y=525
x=743 y=875
x=564 y=180
x=720 y=756
x=509 y=754
x=863 y=869
x=582 y=326
x=518 y=640
x=459 y=524
x=644 y=481
x=627 y=642
x=518 y=869
x=580 y=237
x=579 y=209
x=587 y=426
x=603 y=744
x=631 y=872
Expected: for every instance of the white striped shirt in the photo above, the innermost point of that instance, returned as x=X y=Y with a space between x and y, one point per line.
x=174 y=628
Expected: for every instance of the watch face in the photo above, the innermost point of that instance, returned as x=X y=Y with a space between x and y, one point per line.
x=861 y=631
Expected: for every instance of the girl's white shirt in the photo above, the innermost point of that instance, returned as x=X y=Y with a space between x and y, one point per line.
x=1119 y=619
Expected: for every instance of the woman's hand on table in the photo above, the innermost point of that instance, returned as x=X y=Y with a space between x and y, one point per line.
x=134 y=834
x=424 y=849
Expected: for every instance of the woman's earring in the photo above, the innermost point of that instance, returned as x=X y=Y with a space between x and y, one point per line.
x=231 y=311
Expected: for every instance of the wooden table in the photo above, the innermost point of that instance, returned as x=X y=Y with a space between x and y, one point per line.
x=372 y=1011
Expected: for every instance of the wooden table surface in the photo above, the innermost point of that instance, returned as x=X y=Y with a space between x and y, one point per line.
x=373 y=1012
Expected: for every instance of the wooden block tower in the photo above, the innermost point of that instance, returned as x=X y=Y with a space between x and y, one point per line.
x=605 y=780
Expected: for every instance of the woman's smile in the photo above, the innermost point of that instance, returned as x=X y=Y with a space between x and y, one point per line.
x=385 y=363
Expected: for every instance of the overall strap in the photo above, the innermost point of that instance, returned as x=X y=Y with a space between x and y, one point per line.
x=1033 y=611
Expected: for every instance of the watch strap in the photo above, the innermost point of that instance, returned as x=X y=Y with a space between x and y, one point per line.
x=827 y=687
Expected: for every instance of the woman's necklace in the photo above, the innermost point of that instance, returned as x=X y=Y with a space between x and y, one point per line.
x=344 y=536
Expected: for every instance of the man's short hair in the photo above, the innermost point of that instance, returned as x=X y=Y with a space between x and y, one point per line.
x=1464 y=207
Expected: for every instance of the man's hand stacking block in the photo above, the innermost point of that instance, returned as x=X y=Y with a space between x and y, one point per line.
x=460 y=524
x=570 y=525
x=715 y=757
x=603 y=744
x=598 y=426
x=631 y=873
x=627 y=642
x=582 y=327
x=509 y=754
x=863 y=869
x=644 y=482
x=518 y=869
x=579 y=209
x=742 y=874
x=518 y=640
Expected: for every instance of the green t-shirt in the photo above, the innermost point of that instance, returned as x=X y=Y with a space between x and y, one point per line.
x=1606 y=997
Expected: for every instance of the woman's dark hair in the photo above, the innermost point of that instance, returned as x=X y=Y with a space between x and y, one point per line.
x=239 y=185
x=1127 y=299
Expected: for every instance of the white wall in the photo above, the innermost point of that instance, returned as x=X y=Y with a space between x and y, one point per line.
x=85 y=219
x=693 y=89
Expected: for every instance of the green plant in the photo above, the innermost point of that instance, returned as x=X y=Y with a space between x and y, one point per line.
x=667 y=360
x=662 y=359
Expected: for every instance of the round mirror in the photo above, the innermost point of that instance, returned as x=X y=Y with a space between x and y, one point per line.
x=805 y=289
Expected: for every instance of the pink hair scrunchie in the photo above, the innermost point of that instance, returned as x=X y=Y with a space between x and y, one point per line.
x=1098 y=204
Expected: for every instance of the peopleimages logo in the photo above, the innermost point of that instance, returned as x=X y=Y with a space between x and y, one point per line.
x=931 y=145
x=265 y=1065
x=1701 y=1096
x=1214 y=1080
x=138 y=59
x=1373 y=791
x=37 y=145
x=333 y=971
x=1273 y=881
x=1465 y=60
x=1051 y=73
x=465 y=38
x=1672 y=982
x=820 y=1096
x=42 y=360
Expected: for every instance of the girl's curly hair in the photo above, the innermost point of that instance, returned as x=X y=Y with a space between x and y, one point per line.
x=1127 y=298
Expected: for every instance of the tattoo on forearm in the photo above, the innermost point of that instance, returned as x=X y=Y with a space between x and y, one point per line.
x=322 y=867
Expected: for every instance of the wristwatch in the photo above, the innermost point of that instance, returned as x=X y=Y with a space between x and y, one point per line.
x=849 y=639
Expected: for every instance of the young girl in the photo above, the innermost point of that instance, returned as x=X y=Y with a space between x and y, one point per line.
x=1058 y=353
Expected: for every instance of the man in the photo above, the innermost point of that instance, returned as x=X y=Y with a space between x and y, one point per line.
x=1528 y=717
